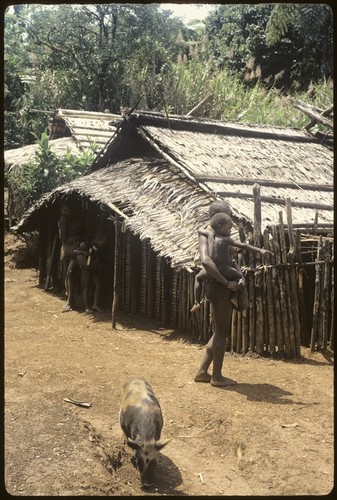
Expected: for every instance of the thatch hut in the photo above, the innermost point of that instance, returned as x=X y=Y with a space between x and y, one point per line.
x=150 y=188
x=69 y=130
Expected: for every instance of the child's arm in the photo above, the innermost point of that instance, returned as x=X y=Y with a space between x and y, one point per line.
x=204 y=232
x=250 y=248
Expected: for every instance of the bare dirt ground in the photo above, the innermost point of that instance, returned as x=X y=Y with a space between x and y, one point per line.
x=271 y=434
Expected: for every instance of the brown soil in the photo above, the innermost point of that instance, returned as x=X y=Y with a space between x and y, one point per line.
x=271 y=434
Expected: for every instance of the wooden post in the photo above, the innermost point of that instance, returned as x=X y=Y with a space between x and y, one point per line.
x=51 y=262
x=287 y=296
x=143 y=282
x=173 y=297
x=199 y=105
x=127 y=275
x=293 y=291
x=42 y=254
x=157 y=288
x=258 y=283
x=115 y=290
x=305 y=334
x=164 y=301
x=332 y=300
x=314 y=329
x=275 y=296
x=269 y=296
x=283 y=300
x=325 y=293
x=315 y=222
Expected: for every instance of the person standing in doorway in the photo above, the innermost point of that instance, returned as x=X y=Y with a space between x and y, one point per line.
x=69 y=234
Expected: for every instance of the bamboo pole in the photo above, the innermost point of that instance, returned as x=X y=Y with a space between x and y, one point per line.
x=115 y=290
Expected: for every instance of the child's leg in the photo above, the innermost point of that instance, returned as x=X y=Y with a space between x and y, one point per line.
x=234 y=299
x=97 y=284
x=233 y=274
x=200 y=277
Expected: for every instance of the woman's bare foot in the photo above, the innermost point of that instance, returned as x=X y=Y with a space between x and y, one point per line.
x=66 y=308
x=222 y=382
x=202 y=377
x=88 y=311
x=96 y=308
x=196 y=306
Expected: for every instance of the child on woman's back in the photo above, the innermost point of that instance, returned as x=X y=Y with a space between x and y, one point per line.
x=219 y=244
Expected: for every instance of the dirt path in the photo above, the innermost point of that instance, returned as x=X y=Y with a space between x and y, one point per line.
x=272 y=434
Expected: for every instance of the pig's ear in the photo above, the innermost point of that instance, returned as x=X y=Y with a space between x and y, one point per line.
x=160 y=444
x=133 y=444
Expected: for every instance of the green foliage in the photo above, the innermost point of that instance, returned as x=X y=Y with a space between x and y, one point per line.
x=279 y=45
x=45 y=172
x=98 y=56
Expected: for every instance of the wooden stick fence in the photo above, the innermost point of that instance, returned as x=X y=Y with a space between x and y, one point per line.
x=274 y=322
x=281 y=316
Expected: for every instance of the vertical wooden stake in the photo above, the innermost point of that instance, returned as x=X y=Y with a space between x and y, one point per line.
x=332 y=299
x=258 y=274
x=293 y=279
x=318 y=271
x=115 y=290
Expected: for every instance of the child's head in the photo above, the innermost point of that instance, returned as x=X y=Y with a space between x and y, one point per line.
x=221 y=224
x=219 y=206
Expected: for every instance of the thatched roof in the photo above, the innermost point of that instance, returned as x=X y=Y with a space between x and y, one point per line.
x=152 y=199
x=72 y=129
x=85 y=127
x=227 y=159
x=165 y=196
x=19 y=156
